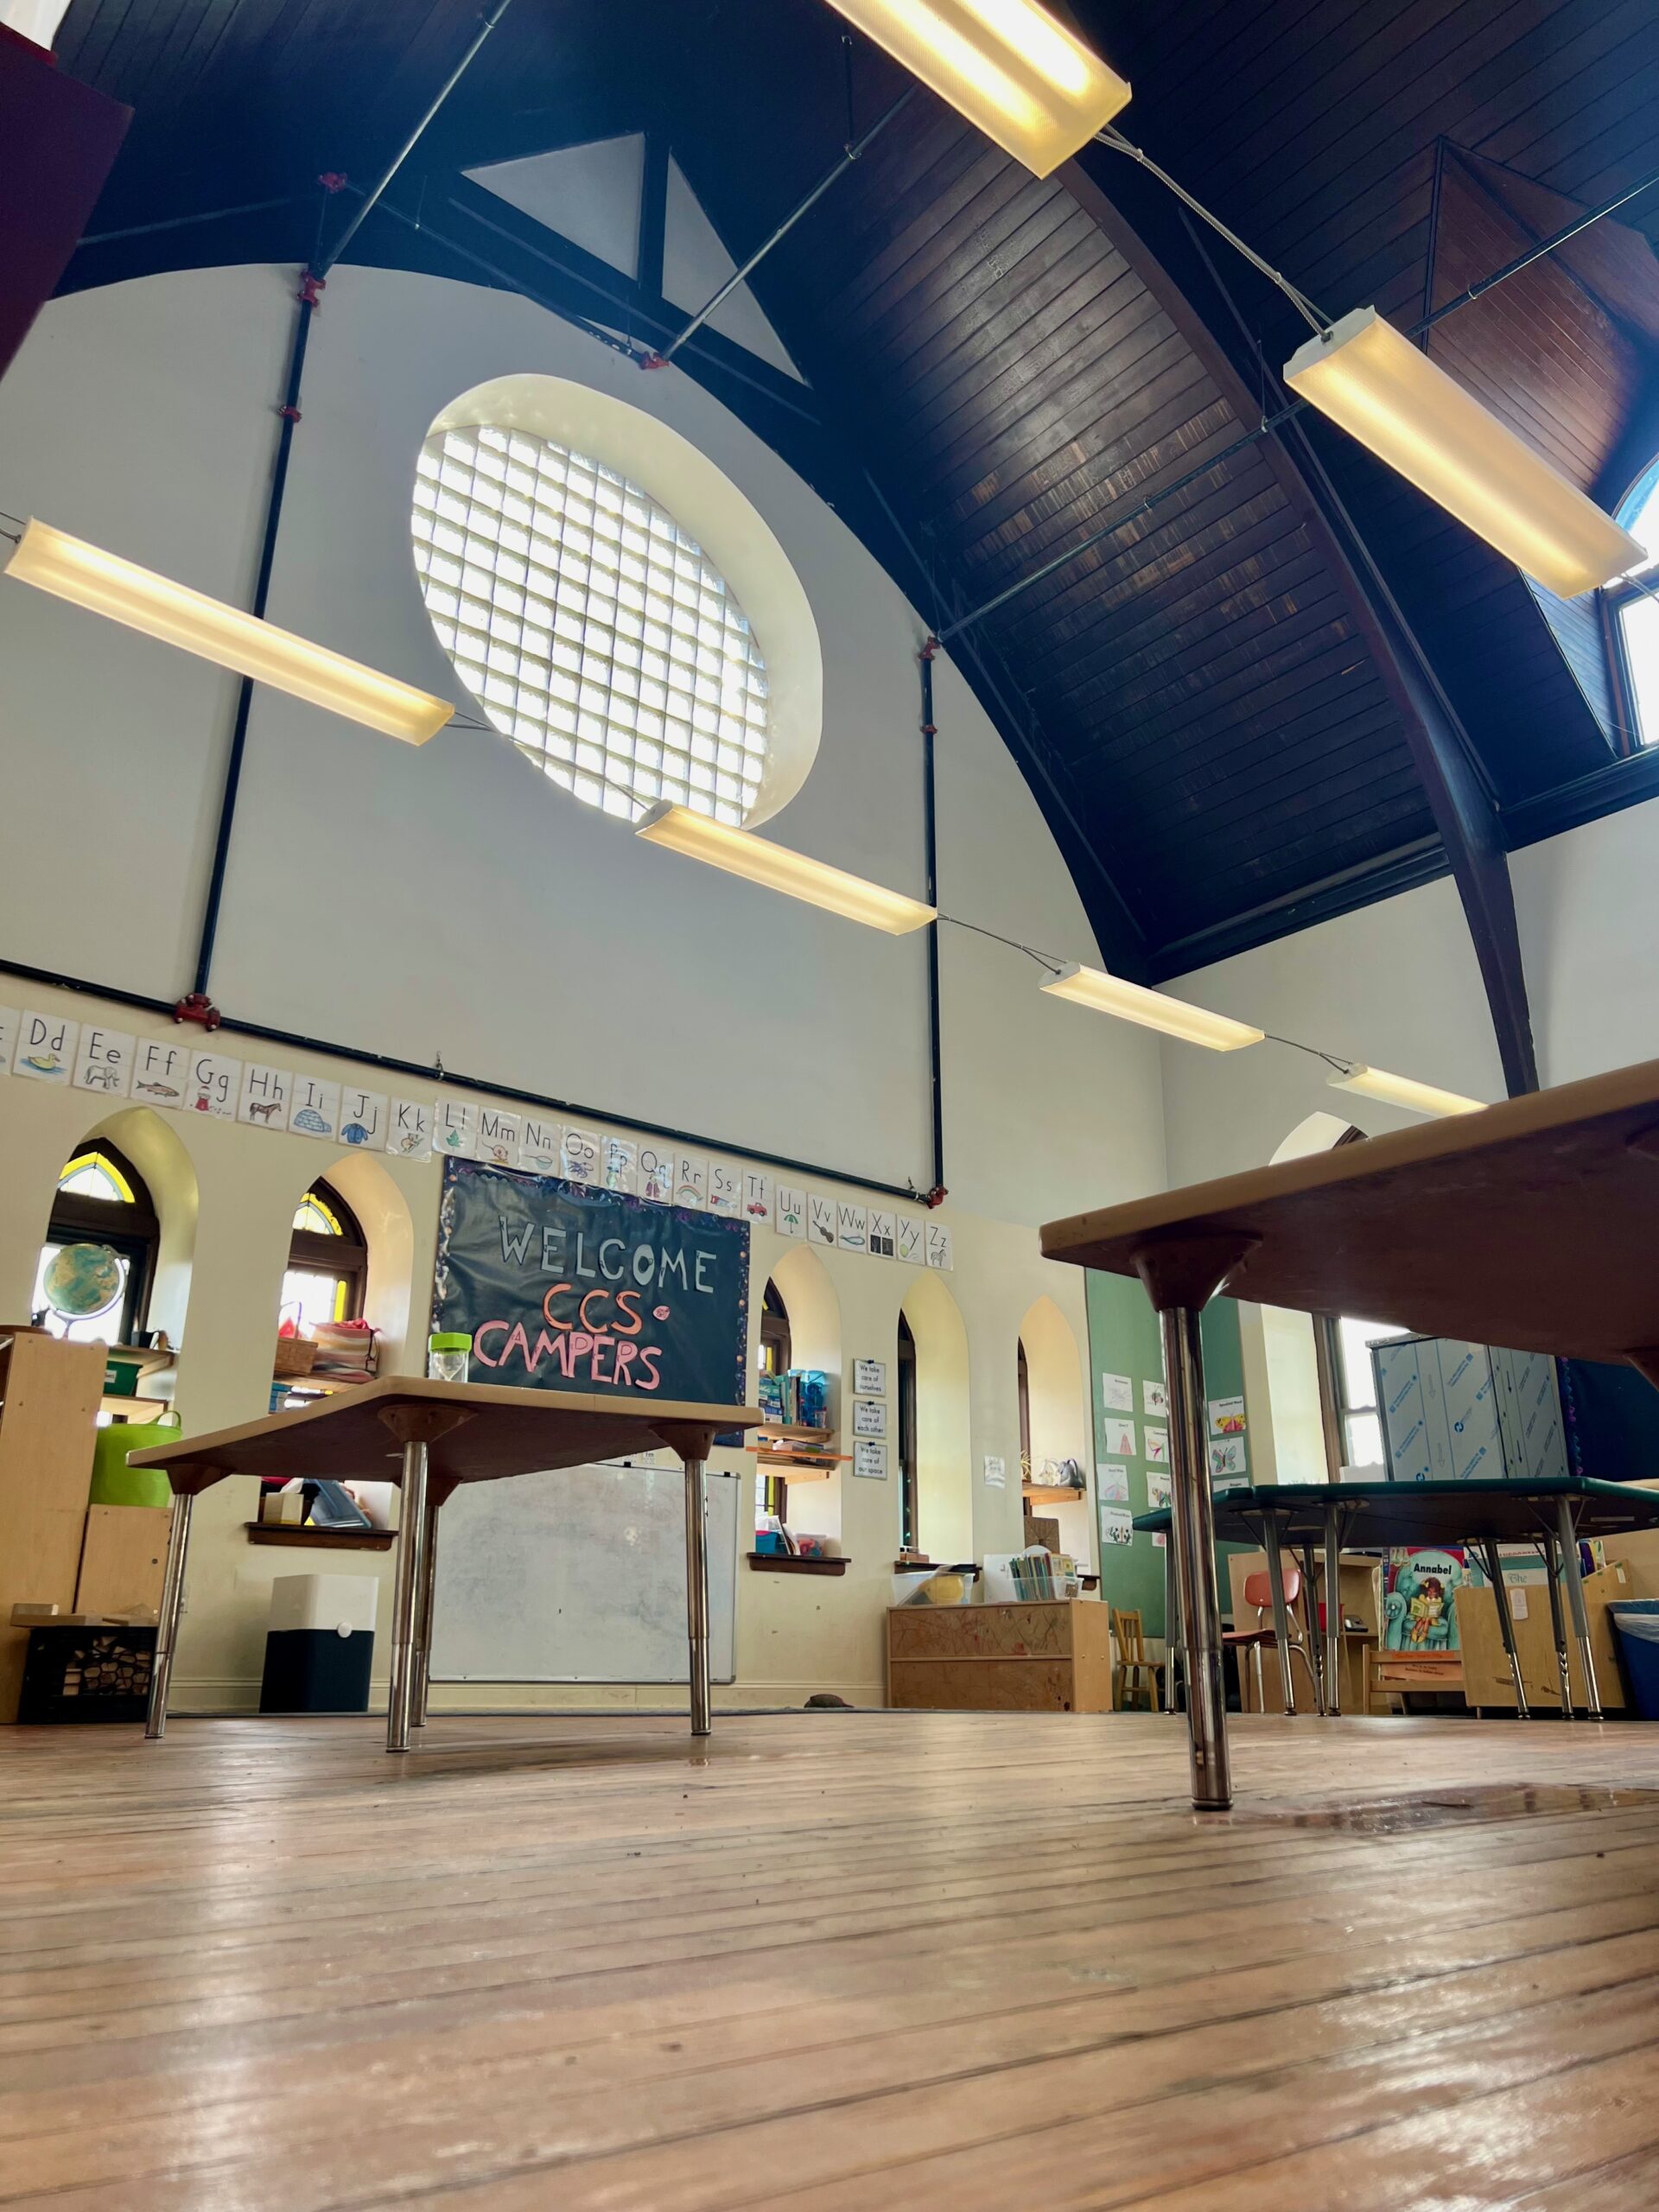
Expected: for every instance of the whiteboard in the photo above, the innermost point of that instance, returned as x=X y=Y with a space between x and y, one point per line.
x=579 y=1577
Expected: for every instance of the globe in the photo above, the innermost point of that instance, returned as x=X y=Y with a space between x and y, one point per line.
x=83 y=1279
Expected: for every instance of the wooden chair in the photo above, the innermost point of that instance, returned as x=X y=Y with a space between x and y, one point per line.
x=1134 y=1676
x=1258 y=1592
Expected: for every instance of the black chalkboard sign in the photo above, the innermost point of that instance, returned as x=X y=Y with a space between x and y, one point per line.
x=563 y=1286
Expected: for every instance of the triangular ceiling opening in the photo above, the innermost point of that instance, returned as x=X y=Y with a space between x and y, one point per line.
x=695 y=266
x=591 y=194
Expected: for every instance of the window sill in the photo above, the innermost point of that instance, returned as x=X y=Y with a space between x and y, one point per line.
x=339 y=1540
x=781 y=1563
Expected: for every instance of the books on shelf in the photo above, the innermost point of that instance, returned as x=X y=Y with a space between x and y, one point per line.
x=799 y=1398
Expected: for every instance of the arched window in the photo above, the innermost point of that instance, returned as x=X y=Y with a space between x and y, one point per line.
x=772 y=1491
x=590 y=627
x=1636 y=613
x=328 y=1261
x=1342 y=1344
x=99 y=1260
x=906 y=1378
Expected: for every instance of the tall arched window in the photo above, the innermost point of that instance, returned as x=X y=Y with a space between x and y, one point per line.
x=328 y=1261
x=906 y=1378
x=772 y=1491
x=1636 y=613
x=99 y=1260
x=1341 y=1343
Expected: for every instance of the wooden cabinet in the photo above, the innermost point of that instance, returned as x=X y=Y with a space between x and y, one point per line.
x=1487 y=1682
x=124 y=1559
x=50 y=1394
x=1052 y=1656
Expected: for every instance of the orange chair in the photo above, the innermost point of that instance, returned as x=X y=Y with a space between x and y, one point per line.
x=1258 y=1592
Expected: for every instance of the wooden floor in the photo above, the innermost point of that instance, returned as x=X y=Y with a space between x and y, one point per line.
x=830 y=1960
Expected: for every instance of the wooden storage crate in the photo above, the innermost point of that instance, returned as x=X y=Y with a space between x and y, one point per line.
x=1053 y=1655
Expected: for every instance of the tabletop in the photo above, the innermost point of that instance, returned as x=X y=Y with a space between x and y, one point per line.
x=1424 y=1513
x=1532 y=1224
x=496 y=1431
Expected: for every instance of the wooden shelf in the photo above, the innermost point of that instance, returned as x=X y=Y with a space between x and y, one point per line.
x=1054 y=1493
x=148 y=1409
x=821 y=1463
x=340 y=1539
x=782 y=1563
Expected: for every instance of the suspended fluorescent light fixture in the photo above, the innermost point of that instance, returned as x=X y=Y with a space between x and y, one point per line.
x=1007 y=65
x=741 y=853
x=1365 y=375
x=1091 y=987
x=69 y=569
x=1402 y=1091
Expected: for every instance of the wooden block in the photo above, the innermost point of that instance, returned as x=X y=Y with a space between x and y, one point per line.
x=124 y=1559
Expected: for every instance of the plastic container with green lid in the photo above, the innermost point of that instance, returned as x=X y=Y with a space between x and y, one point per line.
x=448 y=1356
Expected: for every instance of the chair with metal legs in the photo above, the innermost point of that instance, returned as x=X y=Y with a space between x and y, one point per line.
x=1258 y=1592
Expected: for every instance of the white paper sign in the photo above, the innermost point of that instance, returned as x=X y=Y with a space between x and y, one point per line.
x=263 y=1100
x=911 y=1246
x=1120 y=1438
x=941 y=1250
x=852 y=1228
x=363 y=1118
x=1227 y=1456
x=869 y=1417
x=1157 y=1441
x=46 y=1047
x=454 y=1125
x=103 y=1061
x=621 y=1164
x=870 y=1377
x=1117 y=1525
x=870 y=1459
x=1118 y=1394
x=315 y=1109
x=789 y=1213
x=1155 y=1402
x=757 y=1194
x=1112 y=1482
x=820 y=1220
x=409 y=1129
x=10 y=1019
x=691 y=1181
x=579 y=1155
x=1160 y=1488
x=996 y=1472
x=725 y=1188
x=214 y=1087
x=497 y=1137
x=884 y=1234
x=540 y=1147
x=160 y=1068
x=1226 y=1416
x=656 y=1174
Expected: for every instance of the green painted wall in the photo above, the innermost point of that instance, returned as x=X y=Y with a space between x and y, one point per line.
x=1123 y=1339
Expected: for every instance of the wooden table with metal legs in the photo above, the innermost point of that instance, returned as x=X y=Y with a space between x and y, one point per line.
x=442 y=1434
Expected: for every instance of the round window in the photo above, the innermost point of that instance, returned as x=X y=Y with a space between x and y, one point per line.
x=592 y=629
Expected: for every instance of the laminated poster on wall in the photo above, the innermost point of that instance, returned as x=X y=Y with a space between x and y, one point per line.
x=215 y=1086
x=884 y=1234
x=1154 y=1402
x=996 y=1472
x=45 y=1049
x=455 y=1124
x=622 y=1165
x=363 y=1118
x=160 y=1067
x=1118 y=1394
x=870 y=1377
x=409 y=1129
x=941 y=1248
x=1227 y=1459
x=566 y=1285
x=10 y=1018
x=1157 y=1446
x=869 y=1417
x=910 y=1241
x=789 y=1218
x=497 y=1137
x=579 y=1155
x=102 y=1060
x=870 y=1459
x=1161 y=1489
x=820 y=1220
x=1117 y=1525
x=1112 y=1482
x=757 y=1194
x=1120 y=1440
x=656 y=1174
x=316 y=1108
x=264 y=1096
x=691 y=1181
x=1226 y=1416
x=725 y=1189
x=852 y=1228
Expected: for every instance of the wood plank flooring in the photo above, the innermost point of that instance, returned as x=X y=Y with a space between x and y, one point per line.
x=828 y=1961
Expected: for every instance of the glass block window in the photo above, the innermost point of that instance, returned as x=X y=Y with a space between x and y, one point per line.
x=593 y=630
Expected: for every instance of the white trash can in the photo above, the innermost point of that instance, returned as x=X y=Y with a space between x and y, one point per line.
x=319 y=1644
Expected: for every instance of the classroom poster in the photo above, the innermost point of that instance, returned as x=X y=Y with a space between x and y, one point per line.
x=656 y=1174
x=870 y=1377
x=725 y=1189
x=159 y=1068
x=45 y=1047
x=909 y=1240
x=214 y=1086
x=941 y=1250
x=852 y=1228
x=1160 y=1488
x=869 y=1417
x=870 y=1459
x=1226 y=1416
x=790 y=1216
x=10 y=1018
x=409 y=1129
x=363 y=1118
x=622 y=1165
x=1118 y=1394
x=498 y=1137
x=821 y=1220
x=266 y=1095
x=1117 y=1525
x=1157 y=1446
x=690 y=1180
x=757 y=1194
x=884 y=1234
x=1112 y=1482
x=315 y=1109
x=1120 y=1440
x=579 y=1155
x=565 y=1286
x=103 y=1062
x=1154 y=1401
x=454 y=1121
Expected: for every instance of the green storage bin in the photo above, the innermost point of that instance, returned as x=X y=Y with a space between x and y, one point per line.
x=114 y=1482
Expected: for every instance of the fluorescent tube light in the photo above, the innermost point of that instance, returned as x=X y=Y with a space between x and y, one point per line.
x=741 y=853
x=70 y=569
x=1401 y=1090
x=1364 y=375
x=1007 y=65
x=1152 y=1009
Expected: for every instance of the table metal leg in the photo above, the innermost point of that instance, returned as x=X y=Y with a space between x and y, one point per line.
x=405 y=1597
x=166 y=1628
x=1568 y=1539
x=1333 y=1611
x=1171 y=1625
x=1505 y=1624
x=1281 y=1613
x=1310 y=1627
x=696 y=1595
x=1558 y=1623
x=1193 y=1529
x=423 y=1652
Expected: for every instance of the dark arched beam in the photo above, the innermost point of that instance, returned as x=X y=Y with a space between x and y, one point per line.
x=1463 y=807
